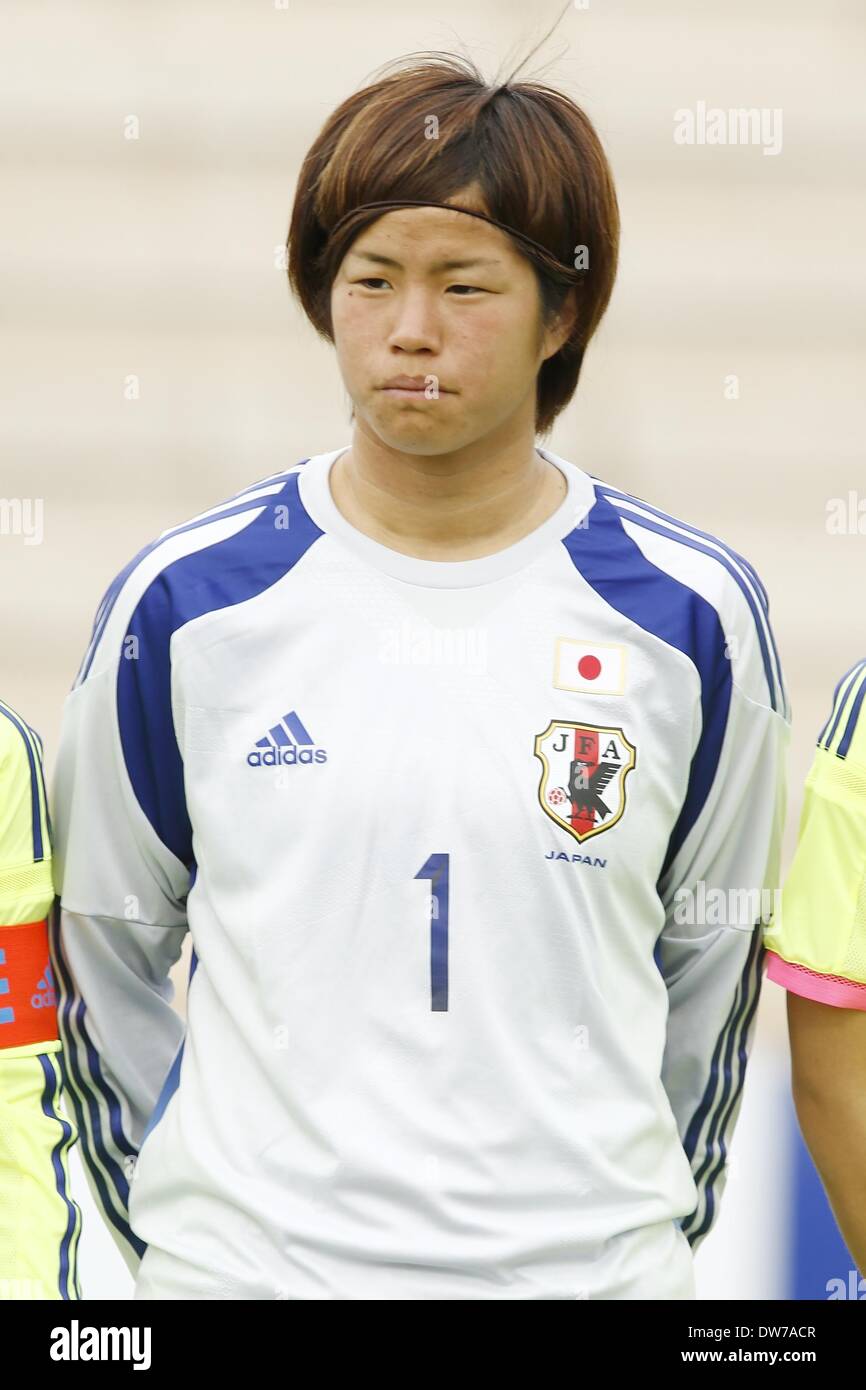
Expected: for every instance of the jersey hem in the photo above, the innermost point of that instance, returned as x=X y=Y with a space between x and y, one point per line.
x=31 y=1049
x=824 y=989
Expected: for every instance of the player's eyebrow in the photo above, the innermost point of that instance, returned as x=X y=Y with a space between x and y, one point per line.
x=462 y=263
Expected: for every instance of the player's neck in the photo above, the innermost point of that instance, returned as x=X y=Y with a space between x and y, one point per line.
x=446 y=506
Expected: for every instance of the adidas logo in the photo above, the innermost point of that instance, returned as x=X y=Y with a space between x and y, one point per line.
x=285 y=744
x=45 y=996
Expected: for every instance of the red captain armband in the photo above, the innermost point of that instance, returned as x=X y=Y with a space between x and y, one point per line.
x=28 y=1003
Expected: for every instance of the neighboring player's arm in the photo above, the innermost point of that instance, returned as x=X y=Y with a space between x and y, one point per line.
x=716 y=892
x=817 y=952
x=120 y=921
x=828 y=1077
x=39 y=1221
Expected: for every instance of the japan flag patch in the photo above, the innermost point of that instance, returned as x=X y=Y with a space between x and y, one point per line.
x=591 y=668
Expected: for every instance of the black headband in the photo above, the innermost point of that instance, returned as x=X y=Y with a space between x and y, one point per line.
x=574 y=273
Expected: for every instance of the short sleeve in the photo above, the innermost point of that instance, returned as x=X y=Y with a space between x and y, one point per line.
x=26 y=887
x=28 y=1012
x=817 y=940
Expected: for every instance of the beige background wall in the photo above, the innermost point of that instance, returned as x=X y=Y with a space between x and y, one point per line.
x=151 y=263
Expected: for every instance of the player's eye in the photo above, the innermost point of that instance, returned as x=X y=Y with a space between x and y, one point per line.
x=371 y=281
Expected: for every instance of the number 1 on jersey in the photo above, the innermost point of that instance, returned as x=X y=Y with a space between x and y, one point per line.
x=436 y=869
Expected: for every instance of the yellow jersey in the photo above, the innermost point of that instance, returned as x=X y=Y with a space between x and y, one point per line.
x=39 y=1221
x=816 y=943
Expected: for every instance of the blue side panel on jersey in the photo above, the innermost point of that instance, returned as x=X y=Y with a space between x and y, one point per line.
x=615 y=566
x=99 y=1155
x=172 y=1080
x=66 y=1278
x=730 y=1052
x=169 y=1087
x=220 y=575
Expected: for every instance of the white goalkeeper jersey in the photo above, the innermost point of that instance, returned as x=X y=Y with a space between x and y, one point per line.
x=474 y=856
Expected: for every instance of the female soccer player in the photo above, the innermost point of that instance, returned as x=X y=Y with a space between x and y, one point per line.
x=816 y=949
x=451 y=758
x=39 y=1222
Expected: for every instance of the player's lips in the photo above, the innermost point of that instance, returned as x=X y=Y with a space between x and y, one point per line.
x=410 y=386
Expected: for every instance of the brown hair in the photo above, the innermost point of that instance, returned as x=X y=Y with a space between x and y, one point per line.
x=533 y=154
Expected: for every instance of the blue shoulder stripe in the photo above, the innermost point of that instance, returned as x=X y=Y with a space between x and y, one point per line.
x=112 y=592
x=36 y=780
x=840 y=701
x=616 y=567
x=219 y=575
x=694 y=531
x=273 y=478
x=841 y=679
x=726 y=563
x=853 y=716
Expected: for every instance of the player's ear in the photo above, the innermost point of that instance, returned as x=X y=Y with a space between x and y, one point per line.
x=561 y=325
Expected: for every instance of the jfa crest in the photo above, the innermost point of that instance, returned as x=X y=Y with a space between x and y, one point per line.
x=583 y=779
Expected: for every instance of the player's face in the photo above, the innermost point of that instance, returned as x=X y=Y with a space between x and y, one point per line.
x=470 y=333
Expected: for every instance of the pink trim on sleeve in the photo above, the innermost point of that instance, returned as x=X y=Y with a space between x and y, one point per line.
x=825 y=989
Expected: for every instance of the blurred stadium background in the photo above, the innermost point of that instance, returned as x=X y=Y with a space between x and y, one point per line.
x=153 y=364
